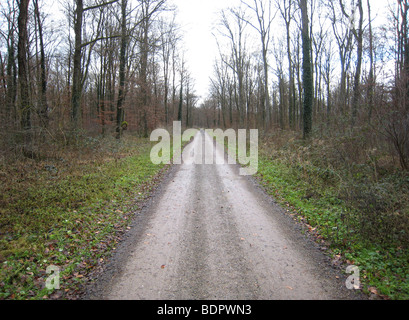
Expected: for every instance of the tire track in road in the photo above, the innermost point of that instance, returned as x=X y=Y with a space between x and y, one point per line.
x=213 y=257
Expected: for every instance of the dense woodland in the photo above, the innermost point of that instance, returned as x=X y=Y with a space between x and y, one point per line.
x=106 y=66
x=336 y=70
x=109 y=66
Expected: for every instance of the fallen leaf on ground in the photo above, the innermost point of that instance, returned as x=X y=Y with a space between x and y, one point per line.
x=373 y=290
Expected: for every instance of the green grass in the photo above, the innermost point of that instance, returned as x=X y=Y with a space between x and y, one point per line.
x=70 y=216
x=314 y=195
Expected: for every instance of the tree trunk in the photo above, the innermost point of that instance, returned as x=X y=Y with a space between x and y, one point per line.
x=11 y=78
x=187 y=102
x=371 y=79
x=307 y=71
x=357 y=80
x=25 y=104
x=77 y=74
x=291 y=102
x=120 y=116
x=180 y=101
x=43 y=72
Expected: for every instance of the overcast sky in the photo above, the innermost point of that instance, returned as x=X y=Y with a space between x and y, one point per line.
x=197 y=18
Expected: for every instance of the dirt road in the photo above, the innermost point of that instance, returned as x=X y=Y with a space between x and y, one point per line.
x=210 y=233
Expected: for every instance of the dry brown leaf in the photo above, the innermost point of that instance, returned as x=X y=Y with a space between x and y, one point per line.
x=373 y=290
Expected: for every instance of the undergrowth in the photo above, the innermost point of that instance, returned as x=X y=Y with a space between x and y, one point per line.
x=358 y=210
x=68 y=210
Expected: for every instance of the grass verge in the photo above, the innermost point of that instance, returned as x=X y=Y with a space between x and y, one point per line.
x=360 y=216
x=70 y=212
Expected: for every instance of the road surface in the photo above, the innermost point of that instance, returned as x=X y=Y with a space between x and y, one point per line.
x=211 y=234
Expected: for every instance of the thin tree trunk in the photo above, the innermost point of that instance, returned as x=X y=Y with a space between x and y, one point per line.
x=307 y=72
x=25 y=104
x=43 y=78
x=187 y=103
x=120 y=116
x=371 y=79
x=77 y=76
x=11 y=78
x=180 y=100
x=359 y=37
x=291 y=102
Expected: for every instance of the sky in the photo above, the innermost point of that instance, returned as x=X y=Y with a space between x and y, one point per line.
x=197 y=19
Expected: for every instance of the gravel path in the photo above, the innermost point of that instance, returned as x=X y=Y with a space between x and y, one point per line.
x=211 y=234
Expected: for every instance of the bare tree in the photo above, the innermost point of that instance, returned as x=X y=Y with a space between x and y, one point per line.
x=43 y=105
x=371 y=79
x=168 y=38
x=190 y=98
x=344 y=39
x=149 y=10
x=286 y=8
x=220 y=86
x=265 y=16
x=235 y=33
x=120 y=116
x=77 y=79
x=307 y=72
x=23 y=72
x=9 y=13
x=328 y=69
x=358 y=35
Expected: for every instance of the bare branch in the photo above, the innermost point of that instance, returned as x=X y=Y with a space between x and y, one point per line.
x=100 y=5
x=99 y=39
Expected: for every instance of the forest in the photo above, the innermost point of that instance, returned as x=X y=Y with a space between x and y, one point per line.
x=106 y=66
x=103 y=67
x=325 y=82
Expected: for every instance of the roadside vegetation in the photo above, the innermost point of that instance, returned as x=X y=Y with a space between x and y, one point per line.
x=353 y=201
x=68 y=209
